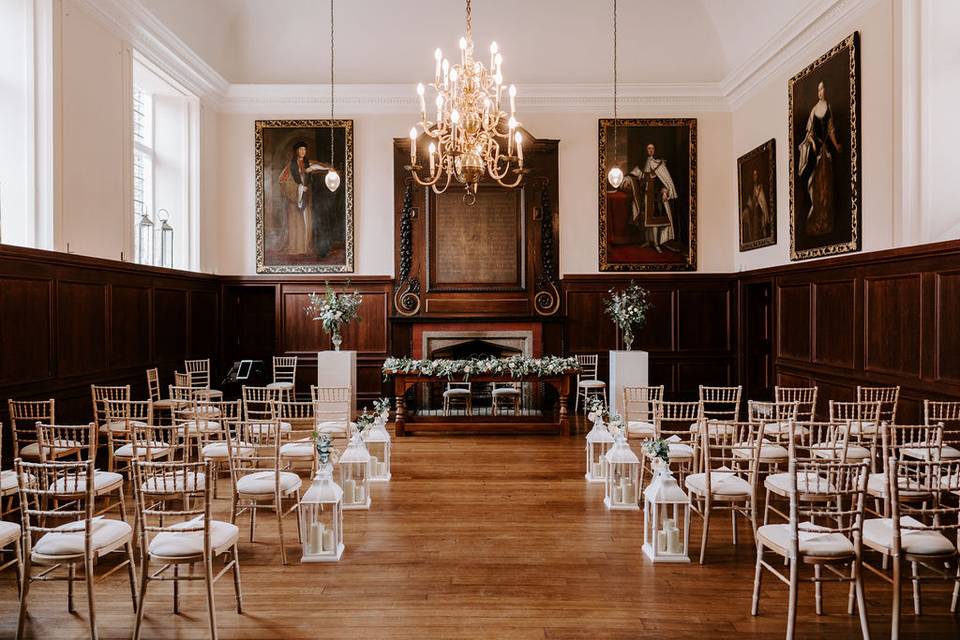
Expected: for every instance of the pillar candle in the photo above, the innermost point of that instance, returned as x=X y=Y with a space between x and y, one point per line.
x=374 y=470
x=661 y=541
x=349 y=490
x=383 y=468
x=359 y=494
x=316 y=535
x=328 y=540
x=673 y=541
x=624 y=490
x=617 y=494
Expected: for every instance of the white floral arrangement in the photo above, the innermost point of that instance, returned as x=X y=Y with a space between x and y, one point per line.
x=515 y=366
x=615 y=422
x=596 y=408
x=381 y=407
x=334 y=309
x=628 y=308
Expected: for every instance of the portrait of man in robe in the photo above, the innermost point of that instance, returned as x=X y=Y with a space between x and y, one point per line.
x=757 y=188
x=824 y=154
x=303 y=226
x=648 y=223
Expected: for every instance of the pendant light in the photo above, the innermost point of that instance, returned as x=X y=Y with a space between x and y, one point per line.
x=615 y=175
x=332 y=178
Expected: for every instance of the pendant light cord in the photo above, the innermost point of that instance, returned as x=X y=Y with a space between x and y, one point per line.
x=469 y=22
x=331 y=85
x=616 y=119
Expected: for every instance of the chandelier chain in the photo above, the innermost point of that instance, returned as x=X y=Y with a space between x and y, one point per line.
x=331 y=84
x=469 y=21
x=615 y=114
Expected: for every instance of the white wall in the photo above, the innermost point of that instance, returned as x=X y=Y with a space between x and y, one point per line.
x=373 y=194
x=16 y=86
x=764 y=116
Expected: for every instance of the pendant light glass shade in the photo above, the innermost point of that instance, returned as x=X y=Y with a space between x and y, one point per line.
x=332 y=180
x=615 y=177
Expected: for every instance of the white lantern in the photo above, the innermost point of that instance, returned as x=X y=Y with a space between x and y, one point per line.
x=377 y=440
x=321 y=519
x=623 y=474
x=599 y=440
x=354 y=475
x=666 y=517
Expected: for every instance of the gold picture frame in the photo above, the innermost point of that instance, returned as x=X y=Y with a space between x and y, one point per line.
x=637 y=231
x=757 y=196
x=303 y=227
x=825 y=160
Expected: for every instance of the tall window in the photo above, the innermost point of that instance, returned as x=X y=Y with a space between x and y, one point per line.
x=164 y=191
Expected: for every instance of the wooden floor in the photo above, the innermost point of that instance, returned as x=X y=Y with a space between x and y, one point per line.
x=482 y=537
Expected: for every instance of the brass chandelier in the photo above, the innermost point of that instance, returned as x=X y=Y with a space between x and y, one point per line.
x=472 y=134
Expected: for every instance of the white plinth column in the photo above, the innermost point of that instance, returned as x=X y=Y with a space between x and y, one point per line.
x=338 y=369
x=627 y=369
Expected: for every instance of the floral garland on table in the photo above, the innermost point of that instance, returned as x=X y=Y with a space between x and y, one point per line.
x=334 y=310
x=515 y=366
x=627 y=308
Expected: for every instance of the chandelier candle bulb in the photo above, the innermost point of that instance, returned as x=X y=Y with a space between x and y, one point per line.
x=513 y=100
x=413 y=146
x=438 y=55
x=493 y=53
x=446 y=72
x=432 y=149
x=519 y=140
x=423 y=106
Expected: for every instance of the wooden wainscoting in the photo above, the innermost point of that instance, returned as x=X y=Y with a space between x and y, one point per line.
x=879 y=318
x=68 y=321
x=265 y=316
x=690 y=332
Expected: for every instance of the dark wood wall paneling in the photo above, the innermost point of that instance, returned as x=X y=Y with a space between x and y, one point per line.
x=68 y=321
x=871 y=319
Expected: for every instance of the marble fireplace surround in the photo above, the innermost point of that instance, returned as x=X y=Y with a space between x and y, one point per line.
x=524 y=337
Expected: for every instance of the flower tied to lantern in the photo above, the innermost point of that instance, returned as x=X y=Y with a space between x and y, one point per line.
x=364 y=421
x=615 y=422
x=658 y=449
x=324 y=444
x=596 y=409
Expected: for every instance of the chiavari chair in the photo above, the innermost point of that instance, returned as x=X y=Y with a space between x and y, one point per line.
x=199 y=372
x=639 y=409
x=863 y=421
x=160 y=404
x=81 y=540
x=195 y=416
x=729 y=459
x=9 y=531
x=259 y=407
x=100 y=394
x=948 y=415
x=903 y=442
x=212 y=442
x=836 y=548
x=137 y=436
x=923 y=533
x=721 y=403
x=458 y=393
x=284 y=375
x=776 y=417
x=888 y=397
x=182 y=379
x=805 y=397
x=24 y=416
x=508 y=394
x=300 y=447
x=588 y=384
x=175 y=530
x=333 y=410
x=83 y=440
x=258 y=480
x=673 y=421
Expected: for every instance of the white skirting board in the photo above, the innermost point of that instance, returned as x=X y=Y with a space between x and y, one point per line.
x=627 y=369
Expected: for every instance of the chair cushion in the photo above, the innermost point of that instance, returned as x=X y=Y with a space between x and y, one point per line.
x=456 y=392
x=190 y=543
x=218 y=450
x=506 y=391
x=592 y=384
x=722 y=483
x=164 y=403
x=680 y=451
x=69 y=537
x=857 y=427
x=78 y=484
x=814 y=541
x=776 y=428
x=298 y=449
x=779 y=483
x=640 y=428
x=260 y=428
x=32 y=450
x=332 y=426
x=198 y=426
x=769 y=451
x=265 y=482
x=907 y=488
x=922 y=452
x=175 y=483
x=854 y=451
x=120 y=425
x=8 y=481
x=280 y=385
x=879 y=533
x=157 y=449
x=9 y=531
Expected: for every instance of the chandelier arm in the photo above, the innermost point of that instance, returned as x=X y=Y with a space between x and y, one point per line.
x=514 y=184
x=445 y=186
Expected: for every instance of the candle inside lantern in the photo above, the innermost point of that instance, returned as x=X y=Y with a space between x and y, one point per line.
x=359 y=494
x=673 y=541
x=373 y=465
x=316 y=535
x=328 y=540
x=349 y=490
x=662 y=541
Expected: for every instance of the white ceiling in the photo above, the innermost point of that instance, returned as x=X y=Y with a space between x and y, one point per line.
x=542 y=41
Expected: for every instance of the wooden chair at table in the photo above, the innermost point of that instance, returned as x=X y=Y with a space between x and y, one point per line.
x=199 y=372
x=258 y=480
x=806 y=441
x=160 y=404
x=922 y=532
x=83 y=440
x=863 y=421
x=299 y=447
x=24 y=416
x=333 y=410
x=728 y=477
x=888 y=397
x=284 y=376
x=805 y=397
x=833 y=547
x=212 y=443
x=673 y=421
x=507 y=393
x=638 y=410
x=10 y=532
x=82 y=539
x=260 y=407
x=137 y=436
x=588 y=384
x=458 y=393
x=948 y=415
x=184 y=536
